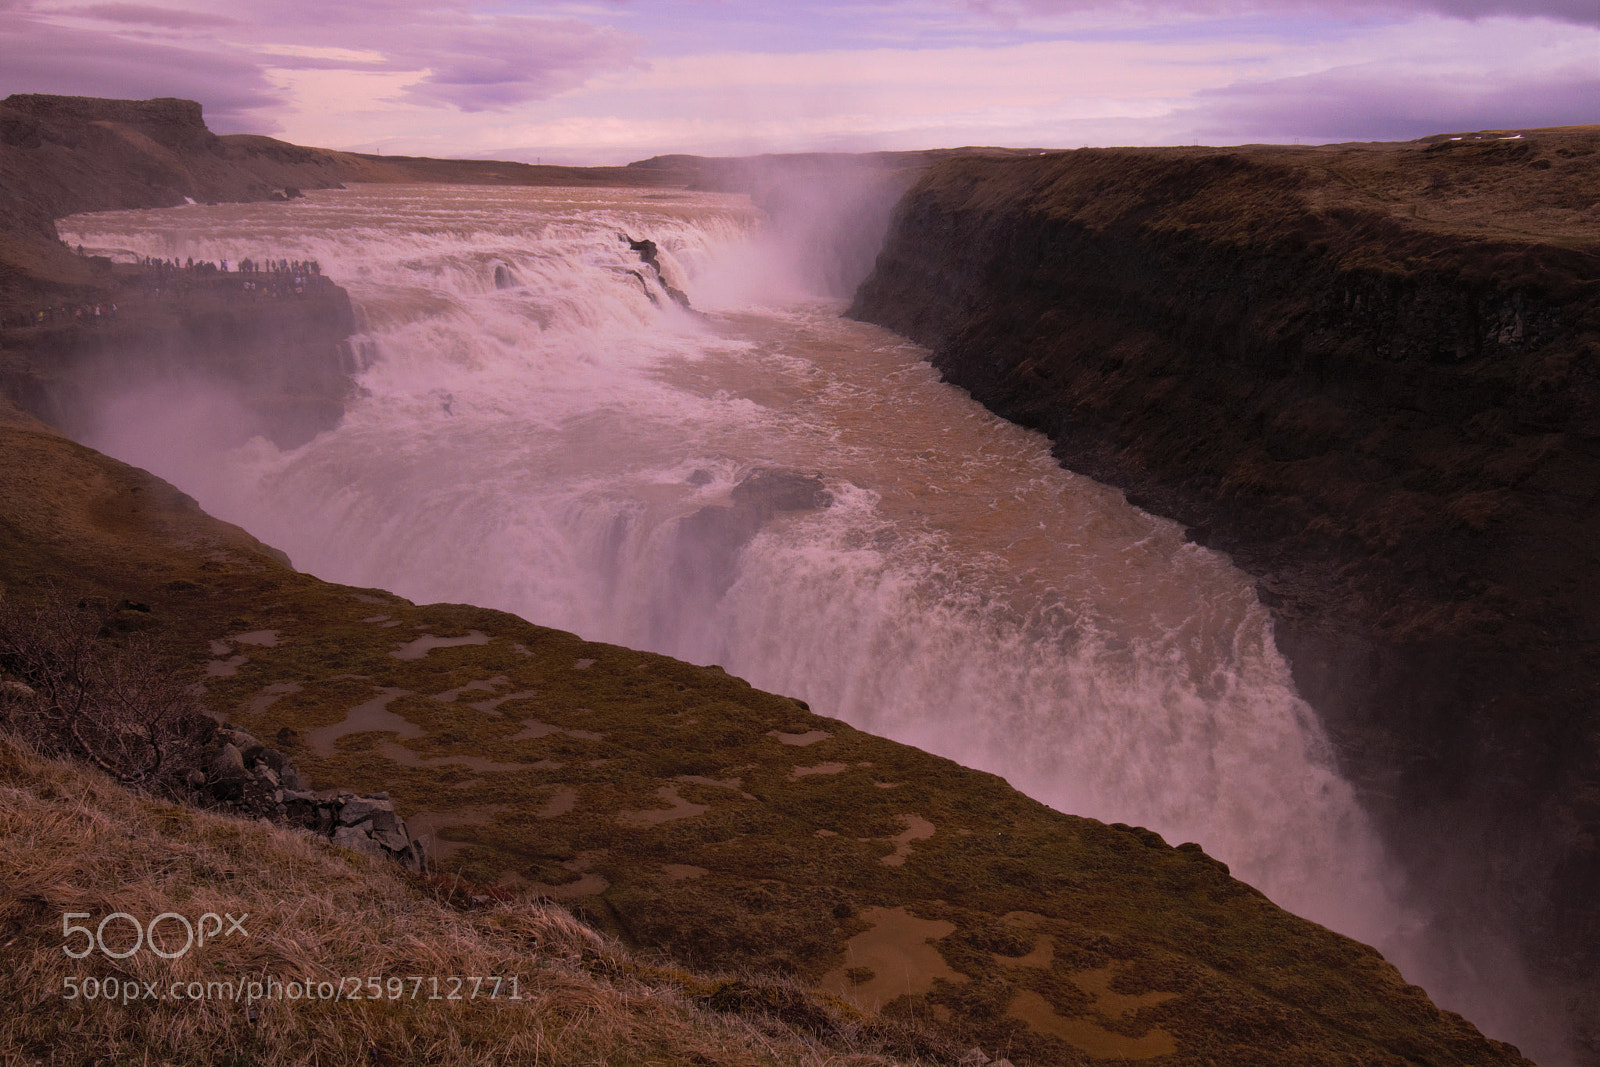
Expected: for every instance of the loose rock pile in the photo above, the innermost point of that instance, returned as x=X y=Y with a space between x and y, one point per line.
x=249 y=778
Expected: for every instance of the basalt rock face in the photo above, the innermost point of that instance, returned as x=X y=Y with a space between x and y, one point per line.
x=1372 y=375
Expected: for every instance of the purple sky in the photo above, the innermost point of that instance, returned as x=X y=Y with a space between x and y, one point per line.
x=607 y=81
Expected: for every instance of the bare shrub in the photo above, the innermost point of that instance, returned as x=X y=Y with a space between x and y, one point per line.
x=84 y=691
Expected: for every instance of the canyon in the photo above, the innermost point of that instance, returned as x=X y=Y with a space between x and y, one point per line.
x=1366 y=373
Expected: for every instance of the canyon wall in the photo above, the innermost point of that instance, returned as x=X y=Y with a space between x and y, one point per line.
x=1371 y=374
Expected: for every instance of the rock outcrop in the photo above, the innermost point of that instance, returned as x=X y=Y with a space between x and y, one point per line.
x=1371 y=374
x=244 y=777
x=650 y=255
x=706 y=543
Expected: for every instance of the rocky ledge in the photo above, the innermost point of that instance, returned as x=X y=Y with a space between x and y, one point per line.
x=1371 y=373
x=72 y=325
x=276 y=344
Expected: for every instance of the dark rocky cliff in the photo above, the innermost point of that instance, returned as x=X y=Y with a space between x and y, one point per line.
x=1372 y=375
x=280 y=351
x=281 y=357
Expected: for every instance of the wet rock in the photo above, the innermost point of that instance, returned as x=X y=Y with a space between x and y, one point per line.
x=771 y=491
x=651 y=255
x=707 y=542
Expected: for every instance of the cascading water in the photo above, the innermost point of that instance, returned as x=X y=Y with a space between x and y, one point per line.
x=542 y=429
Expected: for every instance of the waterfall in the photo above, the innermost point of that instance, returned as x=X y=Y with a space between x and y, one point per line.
x=541 y=431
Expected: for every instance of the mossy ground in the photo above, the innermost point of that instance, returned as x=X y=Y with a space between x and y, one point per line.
x=791 y=862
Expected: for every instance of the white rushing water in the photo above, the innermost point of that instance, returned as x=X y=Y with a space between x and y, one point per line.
x=535 y=448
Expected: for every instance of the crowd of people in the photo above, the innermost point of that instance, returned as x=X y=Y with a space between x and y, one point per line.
x=272 y=278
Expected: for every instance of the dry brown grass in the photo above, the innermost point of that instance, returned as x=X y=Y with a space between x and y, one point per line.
x=72 y=841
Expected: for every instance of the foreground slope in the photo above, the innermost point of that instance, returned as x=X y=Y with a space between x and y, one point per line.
x=551 y=990
x=683 y=811
x=1371 y=373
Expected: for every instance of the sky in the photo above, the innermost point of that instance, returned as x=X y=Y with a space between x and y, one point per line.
x=609 y=81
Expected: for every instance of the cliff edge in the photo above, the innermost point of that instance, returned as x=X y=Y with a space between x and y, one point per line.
x=1371 y=374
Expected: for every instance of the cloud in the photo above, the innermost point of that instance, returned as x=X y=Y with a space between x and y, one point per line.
x=42 y=57
x=455 y=58
x=1397 y=82
x=145 y=15
x=474 y=76
x=1365 y=103
x=1576 y=11
x=492 y=63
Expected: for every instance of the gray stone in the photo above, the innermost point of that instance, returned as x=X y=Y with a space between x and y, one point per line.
x=384 y=821
x=358 y=809
x=267 y=774
x=393 y=840
x=240 y=739
x=227 y=764
x=351 y=838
